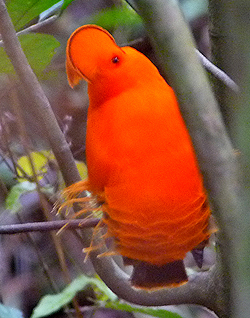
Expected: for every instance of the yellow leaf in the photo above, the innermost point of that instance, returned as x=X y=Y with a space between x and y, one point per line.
x=39 y=160
x=82 y=168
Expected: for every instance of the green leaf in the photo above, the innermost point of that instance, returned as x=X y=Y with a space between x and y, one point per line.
x=13 y=199
x=52 y=303
x=122 y=15
x=8 y=312
x=23 y=11
x=38 y=48
x=7 y=175
x=161 y=313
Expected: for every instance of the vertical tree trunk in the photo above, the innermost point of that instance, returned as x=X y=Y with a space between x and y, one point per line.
x=220 y=32
x=230 y=34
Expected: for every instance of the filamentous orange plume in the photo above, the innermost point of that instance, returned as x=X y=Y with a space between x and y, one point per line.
x=140 y=159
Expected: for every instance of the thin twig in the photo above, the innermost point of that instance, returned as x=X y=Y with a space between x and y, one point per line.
x=208 y=65
x=48 y=226
x=218 y=73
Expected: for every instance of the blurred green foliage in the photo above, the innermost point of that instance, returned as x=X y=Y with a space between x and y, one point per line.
x=122 y=15
x=12 y=201
x=23 y=11
x=160 y=313
x=105 y=298
x=52 y=303
x=39 y=50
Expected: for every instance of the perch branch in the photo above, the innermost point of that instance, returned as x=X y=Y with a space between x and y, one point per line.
x=48 y=226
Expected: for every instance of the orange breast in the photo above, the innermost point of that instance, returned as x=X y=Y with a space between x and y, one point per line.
x=145 y=165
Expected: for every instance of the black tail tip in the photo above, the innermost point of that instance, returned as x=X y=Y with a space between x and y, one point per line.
x=150 y=276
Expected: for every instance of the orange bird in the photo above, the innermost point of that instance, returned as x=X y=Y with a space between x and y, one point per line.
x=141 y=163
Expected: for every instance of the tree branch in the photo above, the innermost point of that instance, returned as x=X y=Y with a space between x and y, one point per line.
x=48 y=226
x=230 y=39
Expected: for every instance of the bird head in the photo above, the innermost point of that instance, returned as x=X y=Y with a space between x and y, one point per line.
x=92 y=53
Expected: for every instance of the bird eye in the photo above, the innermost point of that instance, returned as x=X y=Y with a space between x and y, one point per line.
x=115 y=60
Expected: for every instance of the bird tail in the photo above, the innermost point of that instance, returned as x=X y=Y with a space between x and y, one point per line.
x=150 y=276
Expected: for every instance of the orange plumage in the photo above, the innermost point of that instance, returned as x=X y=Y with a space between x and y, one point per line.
x=140 y=158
